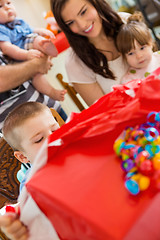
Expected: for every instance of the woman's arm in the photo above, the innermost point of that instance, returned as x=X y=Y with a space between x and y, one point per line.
x=14 y=75
x=83 y=79
x=89 y=92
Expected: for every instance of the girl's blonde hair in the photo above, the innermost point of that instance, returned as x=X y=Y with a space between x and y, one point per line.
x=134 y=29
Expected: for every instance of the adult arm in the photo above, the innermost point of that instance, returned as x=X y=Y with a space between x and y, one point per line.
x=89 y=92
x=13 y=228
x=82 y=78
x=14 y=75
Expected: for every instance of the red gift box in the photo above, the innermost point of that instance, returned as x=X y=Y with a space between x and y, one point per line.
x=81 y=189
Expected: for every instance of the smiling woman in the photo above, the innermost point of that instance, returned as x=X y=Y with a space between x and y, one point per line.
x=85 y=20
x=93 y=64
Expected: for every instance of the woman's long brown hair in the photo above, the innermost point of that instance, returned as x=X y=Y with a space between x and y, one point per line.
x=86 y=51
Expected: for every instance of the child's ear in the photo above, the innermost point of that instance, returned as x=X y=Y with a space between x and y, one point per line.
x=20 y=156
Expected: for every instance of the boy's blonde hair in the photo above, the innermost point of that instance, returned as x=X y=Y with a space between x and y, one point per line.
x=16 y=118
x=134 y=29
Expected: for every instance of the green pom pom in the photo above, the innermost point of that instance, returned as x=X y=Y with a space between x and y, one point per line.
x=146 y=74
x=133 y=71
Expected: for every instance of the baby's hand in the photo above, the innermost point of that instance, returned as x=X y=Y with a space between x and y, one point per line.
x=33 y=53
x=46 y=33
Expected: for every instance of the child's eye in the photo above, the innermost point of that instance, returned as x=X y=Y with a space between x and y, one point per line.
x=39 y=140
x=54 y=129
x=142 y=47
x=130 y=53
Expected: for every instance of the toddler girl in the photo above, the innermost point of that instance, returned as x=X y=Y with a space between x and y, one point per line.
x=135 y=43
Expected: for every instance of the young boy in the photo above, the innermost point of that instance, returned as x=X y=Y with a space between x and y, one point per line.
x=25 y=129
x=135 y=43
x=20 y=42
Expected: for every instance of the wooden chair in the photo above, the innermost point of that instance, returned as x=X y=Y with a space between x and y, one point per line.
x=9 y=166
x=57 y=117
x=71 y=91
x=9 y=185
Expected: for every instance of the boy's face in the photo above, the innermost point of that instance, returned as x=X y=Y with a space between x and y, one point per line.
x=33 y=133
x=140 y=56
x=7 y=11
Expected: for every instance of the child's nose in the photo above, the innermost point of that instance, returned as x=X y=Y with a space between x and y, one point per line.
x=139 y=54
x=6 y=6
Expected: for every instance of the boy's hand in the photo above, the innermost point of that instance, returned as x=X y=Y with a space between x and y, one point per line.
x=13 y=227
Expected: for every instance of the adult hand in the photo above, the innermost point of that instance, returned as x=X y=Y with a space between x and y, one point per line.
x=43 y=64
x=13 y=228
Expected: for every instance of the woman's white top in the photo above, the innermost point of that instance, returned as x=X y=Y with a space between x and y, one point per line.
x=78 y=72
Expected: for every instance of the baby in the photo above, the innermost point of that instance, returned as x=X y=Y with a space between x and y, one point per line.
x=135 y=43
x=20 y=42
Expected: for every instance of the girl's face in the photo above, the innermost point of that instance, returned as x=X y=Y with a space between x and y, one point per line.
x=82 y=18
x=7 y=11
x=140 y=56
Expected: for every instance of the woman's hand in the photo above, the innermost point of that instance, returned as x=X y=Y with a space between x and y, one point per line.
x=13 y=228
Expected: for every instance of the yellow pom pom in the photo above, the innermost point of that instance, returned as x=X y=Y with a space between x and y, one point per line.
x=144 y=183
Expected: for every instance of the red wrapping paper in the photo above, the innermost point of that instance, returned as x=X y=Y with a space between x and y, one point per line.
x=81 y=189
